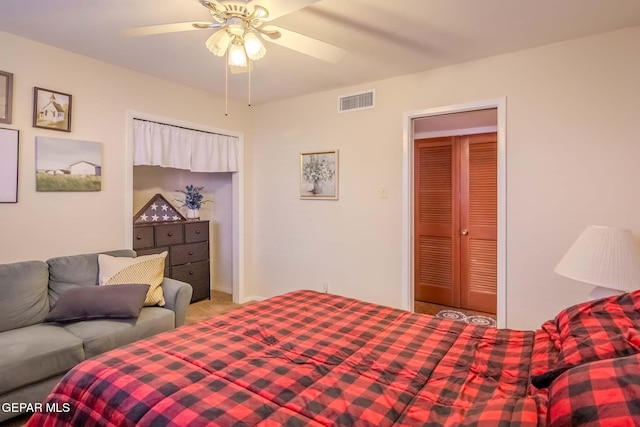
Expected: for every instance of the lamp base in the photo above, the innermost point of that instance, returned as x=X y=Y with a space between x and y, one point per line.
x=599 y=292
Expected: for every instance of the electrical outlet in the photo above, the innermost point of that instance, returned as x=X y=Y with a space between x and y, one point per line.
x=325 y=287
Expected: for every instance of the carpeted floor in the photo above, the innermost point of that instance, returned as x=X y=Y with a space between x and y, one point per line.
x=219 y=303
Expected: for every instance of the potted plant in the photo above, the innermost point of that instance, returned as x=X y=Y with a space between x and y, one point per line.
x=193 y=200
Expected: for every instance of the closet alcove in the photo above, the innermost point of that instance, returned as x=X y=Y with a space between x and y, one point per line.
x=168 y=158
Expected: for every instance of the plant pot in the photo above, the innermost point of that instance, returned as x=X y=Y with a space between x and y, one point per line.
x=193 y=213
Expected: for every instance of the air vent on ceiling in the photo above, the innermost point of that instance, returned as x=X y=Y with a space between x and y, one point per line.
x=358 y=101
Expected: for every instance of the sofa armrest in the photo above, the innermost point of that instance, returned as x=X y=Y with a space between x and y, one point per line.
x=177 y=297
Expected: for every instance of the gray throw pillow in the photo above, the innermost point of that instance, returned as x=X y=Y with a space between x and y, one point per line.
x=99 y=302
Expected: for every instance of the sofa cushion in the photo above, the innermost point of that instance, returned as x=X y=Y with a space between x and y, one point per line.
x=36 y=352
x=103 y=335
x=24 y=301
x=77 y=270
x=99 y=302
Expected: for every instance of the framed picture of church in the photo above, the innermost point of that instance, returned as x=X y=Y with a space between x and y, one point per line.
x=51 y=110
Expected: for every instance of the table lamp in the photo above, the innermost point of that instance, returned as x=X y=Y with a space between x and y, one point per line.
x=606 y=257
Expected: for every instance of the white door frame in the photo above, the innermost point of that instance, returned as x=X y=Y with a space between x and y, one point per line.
x=407 y=198
x=237 y=185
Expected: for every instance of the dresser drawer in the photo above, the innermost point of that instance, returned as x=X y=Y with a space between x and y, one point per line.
x=195 y=273
x=196 y=231
x=200 y=291
x=183 y=254
x=169 y=234
x=142 y=237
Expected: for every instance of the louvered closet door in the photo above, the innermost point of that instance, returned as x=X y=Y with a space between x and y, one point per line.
x=436 y=241
x=478 y=222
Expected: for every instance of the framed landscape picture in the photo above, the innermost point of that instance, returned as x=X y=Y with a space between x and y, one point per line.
x=319 y=175
x=9 y=152
x=51 y=110
x=68 y=165
x=6 y=96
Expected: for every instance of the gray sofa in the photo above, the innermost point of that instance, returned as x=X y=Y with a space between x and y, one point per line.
x=35 y=355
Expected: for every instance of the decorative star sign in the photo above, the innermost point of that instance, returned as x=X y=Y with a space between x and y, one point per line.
x=157 y=209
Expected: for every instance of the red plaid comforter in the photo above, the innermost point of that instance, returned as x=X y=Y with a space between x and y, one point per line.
x=310 y=359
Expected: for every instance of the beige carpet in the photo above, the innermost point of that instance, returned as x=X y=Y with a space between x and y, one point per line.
x=219 y=303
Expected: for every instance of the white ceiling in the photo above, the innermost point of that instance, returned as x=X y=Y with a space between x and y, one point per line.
x=383 y=38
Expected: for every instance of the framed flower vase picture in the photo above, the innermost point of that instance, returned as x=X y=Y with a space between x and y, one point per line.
x=319 y=175
x=51 y=110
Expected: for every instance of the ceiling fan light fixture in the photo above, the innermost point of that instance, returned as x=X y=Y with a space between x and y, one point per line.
x=237 y=57
x=260 y=12
x=219 y=42
x=254 y=47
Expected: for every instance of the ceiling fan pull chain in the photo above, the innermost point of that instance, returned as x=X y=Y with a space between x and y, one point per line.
x=249 y=83
x=226 y=85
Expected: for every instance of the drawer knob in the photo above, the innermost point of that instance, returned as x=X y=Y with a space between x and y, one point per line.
x=190 y=252
x=197 y=231
x=191 y=273
x=138 y=238
x=169 y=234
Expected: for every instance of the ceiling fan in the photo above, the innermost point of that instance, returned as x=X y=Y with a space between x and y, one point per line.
x=240 y=29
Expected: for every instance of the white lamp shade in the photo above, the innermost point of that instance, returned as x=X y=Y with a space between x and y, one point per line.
x=218 y=42
x=237 y=56
x=254 y=47
x=603 y=256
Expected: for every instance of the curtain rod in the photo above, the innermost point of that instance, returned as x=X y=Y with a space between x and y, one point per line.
x=182 y=127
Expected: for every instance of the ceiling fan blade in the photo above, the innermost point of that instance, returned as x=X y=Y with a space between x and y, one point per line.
x=278 y=8
x=150 y=30
x=212 y=5
x=307 y=45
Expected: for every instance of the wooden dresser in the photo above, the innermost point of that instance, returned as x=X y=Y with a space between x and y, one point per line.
x=187 y=244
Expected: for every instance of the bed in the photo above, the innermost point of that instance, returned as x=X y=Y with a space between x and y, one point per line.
x=314 y=359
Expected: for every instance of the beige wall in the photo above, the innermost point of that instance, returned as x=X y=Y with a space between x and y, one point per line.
x=572 y=153
x=572 y=159
x=43 y=225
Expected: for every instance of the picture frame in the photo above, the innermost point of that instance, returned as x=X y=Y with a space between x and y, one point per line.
x=6 y=96
x=68 y=165
x=9 y=164
x=51 y=109
x=319 y=175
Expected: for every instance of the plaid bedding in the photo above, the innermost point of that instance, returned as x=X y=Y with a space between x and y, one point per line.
x=606 y=392
x=311 y=359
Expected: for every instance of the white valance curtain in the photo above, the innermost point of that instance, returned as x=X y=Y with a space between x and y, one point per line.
x=157 y=144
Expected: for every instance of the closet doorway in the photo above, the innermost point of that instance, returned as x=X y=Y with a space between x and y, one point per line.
x=470 y=140
x=224 y=188
x=455 y=201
